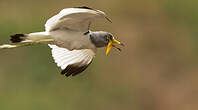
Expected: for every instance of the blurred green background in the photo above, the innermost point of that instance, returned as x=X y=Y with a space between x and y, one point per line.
x=157 y=69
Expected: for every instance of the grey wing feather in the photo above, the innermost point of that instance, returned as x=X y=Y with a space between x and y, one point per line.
x=77 y=19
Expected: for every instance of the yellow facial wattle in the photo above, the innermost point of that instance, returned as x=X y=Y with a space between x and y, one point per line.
x=110 y=44
x=109 y=47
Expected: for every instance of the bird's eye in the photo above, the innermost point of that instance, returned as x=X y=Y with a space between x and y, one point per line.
x=109 y=37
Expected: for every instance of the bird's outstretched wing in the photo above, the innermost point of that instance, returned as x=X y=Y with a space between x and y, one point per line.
x=72 y=62
x=77 y=19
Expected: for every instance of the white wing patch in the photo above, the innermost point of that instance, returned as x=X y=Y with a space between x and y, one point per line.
x=75 y=59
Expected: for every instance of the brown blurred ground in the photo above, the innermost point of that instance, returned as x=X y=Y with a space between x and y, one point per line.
x=157 y=69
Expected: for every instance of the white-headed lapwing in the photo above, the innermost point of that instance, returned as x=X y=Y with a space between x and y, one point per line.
x=67 y=33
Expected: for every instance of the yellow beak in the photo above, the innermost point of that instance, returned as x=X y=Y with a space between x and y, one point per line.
x=110 y=44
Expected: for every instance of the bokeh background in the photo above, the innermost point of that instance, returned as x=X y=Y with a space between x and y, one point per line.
x=157 y=69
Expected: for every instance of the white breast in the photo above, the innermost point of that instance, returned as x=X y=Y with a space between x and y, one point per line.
x=71 y=40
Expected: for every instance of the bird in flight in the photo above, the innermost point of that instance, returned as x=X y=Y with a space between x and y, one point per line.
x=67 y=34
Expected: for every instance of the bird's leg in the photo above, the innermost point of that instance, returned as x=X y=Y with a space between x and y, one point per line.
x=23 y=44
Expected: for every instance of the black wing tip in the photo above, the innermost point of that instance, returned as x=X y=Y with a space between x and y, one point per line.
x=84 y=7
x=74 y=69
x=17 y=38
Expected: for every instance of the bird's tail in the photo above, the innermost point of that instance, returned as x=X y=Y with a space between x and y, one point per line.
x=21 y=40
x=17 y=38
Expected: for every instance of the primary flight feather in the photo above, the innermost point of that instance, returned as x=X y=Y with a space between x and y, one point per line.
x=67 y=33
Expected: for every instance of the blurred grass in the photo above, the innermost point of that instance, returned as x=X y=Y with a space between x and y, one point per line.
x=157 y=69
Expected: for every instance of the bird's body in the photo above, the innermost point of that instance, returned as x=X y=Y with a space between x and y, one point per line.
x=73 y=44
x=72 y=40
